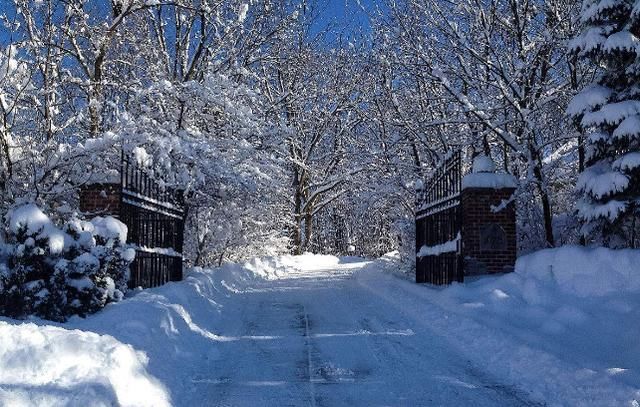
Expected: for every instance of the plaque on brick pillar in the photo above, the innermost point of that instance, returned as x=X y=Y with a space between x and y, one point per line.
x=488 y=219
x=492 y=238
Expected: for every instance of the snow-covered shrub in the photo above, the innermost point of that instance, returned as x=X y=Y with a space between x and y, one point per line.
x=54 y=273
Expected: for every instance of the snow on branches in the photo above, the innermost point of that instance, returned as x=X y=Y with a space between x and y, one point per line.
x=609 y=110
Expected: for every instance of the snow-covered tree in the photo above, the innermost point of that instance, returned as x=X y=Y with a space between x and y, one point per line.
x=609 y=110
x=493 y=75
x=211 y=141
x=87 y=78
x=316 y=92
x=15 y=89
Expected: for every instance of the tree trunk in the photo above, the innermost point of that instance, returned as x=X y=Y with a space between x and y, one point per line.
x=548 y=217
x=95 y=110
x=296 y=233
x=308 y=229
x=544 y=197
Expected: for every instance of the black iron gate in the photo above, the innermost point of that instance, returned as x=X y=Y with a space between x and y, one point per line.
x=439 y=257
x=155 y=219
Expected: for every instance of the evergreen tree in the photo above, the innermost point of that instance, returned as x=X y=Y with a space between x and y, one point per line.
x=609 y=111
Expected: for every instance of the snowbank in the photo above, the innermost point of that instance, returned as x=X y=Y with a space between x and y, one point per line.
x=576 y=304
x=563 y=326
x=142 y=351
x=46 y=365
x=584 y=272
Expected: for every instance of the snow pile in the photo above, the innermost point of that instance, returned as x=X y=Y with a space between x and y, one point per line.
x=108 y=228
x=269 y=268
x=584 y=272
x=482 y=163
x=45 y=365
x=310 y=261
x=484 y=176
x=29 y=217
x=575 y=303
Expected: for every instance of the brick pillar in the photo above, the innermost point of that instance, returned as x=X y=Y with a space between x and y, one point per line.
x=100 y=199
x=488 y=223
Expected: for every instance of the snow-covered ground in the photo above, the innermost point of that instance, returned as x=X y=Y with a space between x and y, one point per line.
x=323 y=331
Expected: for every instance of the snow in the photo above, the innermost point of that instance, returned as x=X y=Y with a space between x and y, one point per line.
x=482 y=163
x=47 y=365
x=242 y=13
x=483 y=175
x=597 y=137
x=610 y=210
x=621 y=41
x=9 y=65
x=589 y=40
x=80 y=284
x=86 y=261
x=28 y=216
x=589 y=98
x=316 y=329
x=612 y=113
x=36 y=223
x=596 y=9
x=563 y=325
x=585 y=272
x=630 y=127
x=160 y=250
x=151 y=207
x=489 y=180
x=57 y=239
x=442 y=204
x=141 y=157
x=110 y=228
x=600 y=181
x=129 y=255
x=627 y=162
x=446 y=247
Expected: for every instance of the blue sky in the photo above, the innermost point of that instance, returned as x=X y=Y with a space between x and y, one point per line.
x=352 y=14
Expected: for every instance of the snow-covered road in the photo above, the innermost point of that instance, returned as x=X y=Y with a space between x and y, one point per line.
x=311 y=331
x=318 y=337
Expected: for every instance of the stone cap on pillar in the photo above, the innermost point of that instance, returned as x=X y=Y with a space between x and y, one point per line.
x=484 y=176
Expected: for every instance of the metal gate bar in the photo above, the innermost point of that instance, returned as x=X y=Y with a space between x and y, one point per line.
x=155 y=219
x=438 y=222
